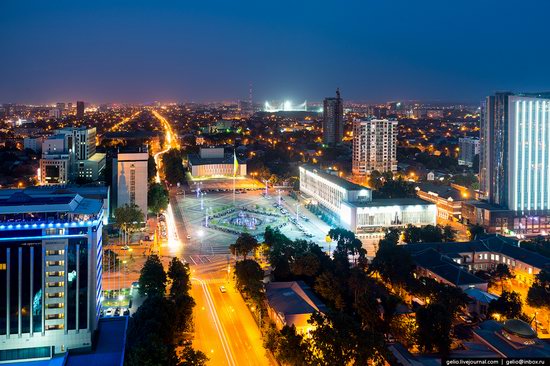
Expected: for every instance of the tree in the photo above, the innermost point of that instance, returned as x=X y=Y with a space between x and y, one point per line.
x=128 y=217
x=502 y=273
x=249 y=276
x=329 y=288
x=337 y=339
x=157 y=198
x=245 y=244
x=291 y=348
x=172 y=166
x=476 y=231
x=449 y=235
x=151 y=169
x=393 y=263
x=305 y=265
x=508 y=305
x=152 y=279
x=434 y=328
x=180 y=276
x=539 y=293
x=191 y=357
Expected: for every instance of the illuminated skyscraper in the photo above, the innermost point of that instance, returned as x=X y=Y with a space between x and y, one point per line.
x=333 y=120
x=515 y=151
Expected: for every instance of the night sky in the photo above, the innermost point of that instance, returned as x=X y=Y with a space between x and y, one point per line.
x=202 y=50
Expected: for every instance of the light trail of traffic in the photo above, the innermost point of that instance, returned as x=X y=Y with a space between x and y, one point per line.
x=219 y=328
x=117 y=125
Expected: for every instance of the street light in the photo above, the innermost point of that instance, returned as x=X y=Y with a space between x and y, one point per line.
x=266 y=187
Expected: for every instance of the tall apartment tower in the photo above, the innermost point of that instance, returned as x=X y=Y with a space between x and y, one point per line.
x=79 y=109
x=50 y=273
x=515 y=151
x=333 y=120
x=374 y=146
x=130 y=179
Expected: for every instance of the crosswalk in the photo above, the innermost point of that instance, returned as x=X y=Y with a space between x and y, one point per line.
x=204 y=259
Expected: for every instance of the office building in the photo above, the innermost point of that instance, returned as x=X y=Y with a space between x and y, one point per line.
x=33 y=143
x=57 y=160
x=333 y=120
x=130 y=179
x=374 y=146
x=515 y=164
x=468 y=149
x=50 y=274
x=351 y=206
x=214 y=162
x=60 y=106
x=84 y=140
x=79 y=109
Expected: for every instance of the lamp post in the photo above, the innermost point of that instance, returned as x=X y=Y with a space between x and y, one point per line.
x=297 y=215
x=279 y=191
x=201 y=233
x=266 y=187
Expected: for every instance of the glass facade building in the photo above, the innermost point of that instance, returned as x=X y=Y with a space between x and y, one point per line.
x=50 y=273
x=515 y=147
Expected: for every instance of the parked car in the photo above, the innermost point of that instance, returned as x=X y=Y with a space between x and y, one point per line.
x=222 y=289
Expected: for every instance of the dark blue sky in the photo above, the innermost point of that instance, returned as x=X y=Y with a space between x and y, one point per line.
x=202 y=50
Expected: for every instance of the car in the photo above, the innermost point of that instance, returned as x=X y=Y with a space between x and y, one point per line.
x=188 y=236
x=222 y=289
x=135 y=284
x=117 y=312
x=109 y=312
x=126 y=247
x=126 y=312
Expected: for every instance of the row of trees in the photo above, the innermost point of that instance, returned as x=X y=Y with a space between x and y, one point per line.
x=156 y=331
x=172 y=166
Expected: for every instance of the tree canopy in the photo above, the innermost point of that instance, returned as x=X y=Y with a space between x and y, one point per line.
x=157 y=198
x=152 y=279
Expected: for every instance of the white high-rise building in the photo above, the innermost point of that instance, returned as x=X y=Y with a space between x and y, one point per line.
x=374 y=146
x=130 y=179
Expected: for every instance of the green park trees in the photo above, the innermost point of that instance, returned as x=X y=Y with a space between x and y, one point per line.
x=152 y=279
x=539 y=293
x=507 y=306
x=155 y=331
x=128 y=218
x=244 y=244
x=157 y=198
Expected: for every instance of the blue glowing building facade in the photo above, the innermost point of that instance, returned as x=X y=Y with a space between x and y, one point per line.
x=50 y=273
x=515 y=163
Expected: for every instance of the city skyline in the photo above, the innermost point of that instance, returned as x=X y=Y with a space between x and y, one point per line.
x=372 y=52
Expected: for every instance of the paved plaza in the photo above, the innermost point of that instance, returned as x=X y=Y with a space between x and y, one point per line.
x=214 y=222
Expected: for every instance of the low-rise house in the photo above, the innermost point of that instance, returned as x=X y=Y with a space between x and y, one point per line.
x=292 y=303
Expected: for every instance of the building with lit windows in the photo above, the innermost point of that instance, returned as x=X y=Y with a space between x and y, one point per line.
x=352 y=206
x=374 y=146
x=214 y=162
x=50 y=273
x=515 y=163
x=468 y=148
x=130 y=179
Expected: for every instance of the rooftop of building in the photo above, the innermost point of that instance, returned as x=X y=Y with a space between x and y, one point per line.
x=108 y=349
x=24 y=202
x=83 y=190
x=195 y=159
x=446 y=268
x=490 y=333
x=480 y=296
x=442 y=190
x=97 y=157
x=295 y=297
x=344 y=183
x=490 y=243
